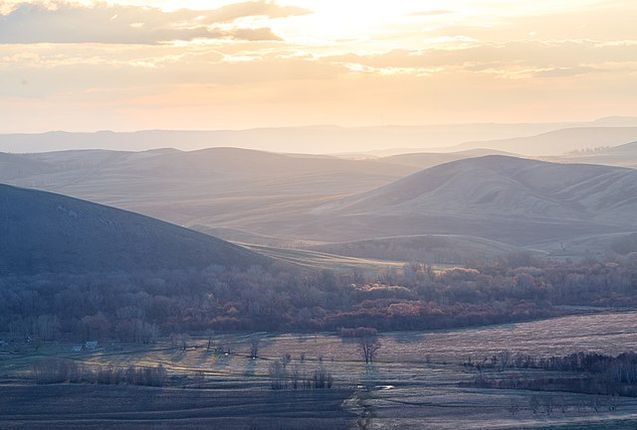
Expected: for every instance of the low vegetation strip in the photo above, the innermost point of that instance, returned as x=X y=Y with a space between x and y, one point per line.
x=590 y=373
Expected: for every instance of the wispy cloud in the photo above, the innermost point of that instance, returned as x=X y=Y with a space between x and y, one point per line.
x=435 y=12
x=174 y=63
x=63 y=22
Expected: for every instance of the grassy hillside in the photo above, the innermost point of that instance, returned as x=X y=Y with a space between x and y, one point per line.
x=424 y=160
x=433 y=249
x=500 y=198
x=288 y=200
x=44 y=232
x=220 y=187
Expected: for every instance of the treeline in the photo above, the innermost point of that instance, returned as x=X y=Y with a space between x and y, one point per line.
x=57 y=371
x=590 y=373
x=619 y=369
x=140 y=307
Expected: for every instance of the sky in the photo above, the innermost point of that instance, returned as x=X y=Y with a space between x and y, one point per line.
x=193 y=64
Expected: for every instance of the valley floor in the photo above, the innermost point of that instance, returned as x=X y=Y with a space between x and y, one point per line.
x=417 y=382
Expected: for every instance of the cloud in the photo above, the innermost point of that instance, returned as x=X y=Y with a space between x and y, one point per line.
x=426 y=13
x=253 y=34
x=63 y=22
x=551 y=59
x=268 y=9
x=561 y=72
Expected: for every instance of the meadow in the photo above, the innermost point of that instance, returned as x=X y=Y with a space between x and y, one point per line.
x=419 y=380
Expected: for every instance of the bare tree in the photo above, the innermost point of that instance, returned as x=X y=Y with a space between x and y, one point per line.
x=514 y=407
x=198 y=379
x=286 y=359
x=254 y=347
x=369 y=346
x=534 y=404
x=295 y=376
x=210 y=340
x=278 y=375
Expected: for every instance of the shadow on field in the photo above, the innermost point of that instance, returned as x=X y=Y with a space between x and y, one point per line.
x=66 y=406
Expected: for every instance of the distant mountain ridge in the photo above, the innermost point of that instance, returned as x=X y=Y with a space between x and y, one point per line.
x=308 y=139
x=559 y=142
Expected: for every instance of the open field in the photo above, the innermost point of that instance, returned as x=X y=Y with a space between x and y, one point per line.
x=111 y=407
x=323 y=260
x=415 y=382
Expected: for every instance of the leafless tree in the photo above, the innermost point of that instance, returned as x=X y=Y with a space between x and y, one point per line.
x=254 y=347
x=210 y=340
x=198 y=379
x=514 y=407
x=369 y=347
x=534 y=404
x=547 y=405
x=278 y=375
x=295 y=376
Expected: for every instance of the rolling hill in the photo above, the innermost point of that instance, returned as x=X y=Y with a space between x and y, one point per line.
x=227 y=187
x=50 y=233
x=424 y=160
x=296 y=201
x=559 y=142
x=622 y=155
x=434 y=249
x=508 y=199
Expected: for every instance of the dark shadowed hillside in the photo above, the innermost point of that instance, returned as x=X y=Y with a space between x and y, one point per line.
x=44 y=232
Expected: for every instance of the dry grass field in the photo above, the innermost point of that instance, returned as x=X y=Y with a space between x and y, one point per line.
x=415 y=383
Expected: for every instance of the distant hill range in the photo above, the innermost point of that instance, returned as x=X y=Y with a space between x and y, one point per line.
x=333 y=139
x=622 y=155
x=48 y=233
x=482 y=199
x=228 y=187
x=559 y=142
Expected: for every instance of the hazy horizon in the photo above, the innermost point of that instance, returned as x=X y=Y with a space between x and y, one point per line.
x=526 y=139
x=596 y=119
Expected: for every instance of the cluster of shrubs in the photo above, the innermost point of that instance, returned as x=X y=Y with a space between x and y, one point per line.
x=287 y=376
x=57 y=371
x=550 y=404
